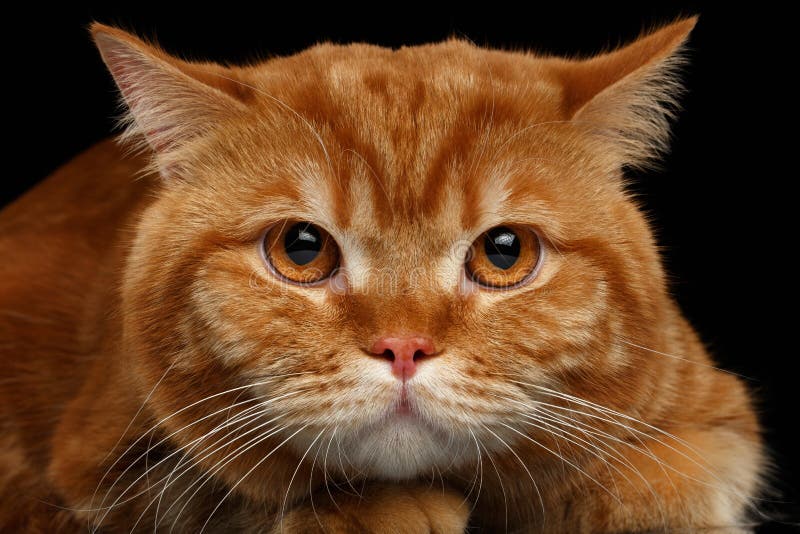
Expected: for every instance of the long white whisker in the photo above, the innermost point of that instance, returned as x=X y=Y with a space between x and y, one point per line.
x=587 y=429
x=209 y=474
x=342 y=468
x=618 y=457
x=540 y=414
x=634 y=431
x=311 y=483
x=219 y=465
x=325 y=468
x=245 y=418
x=524 y=466
x=167 y=418
x=294 y=474
x=478 y=470
x=500 y=481
x=683 y=359
x=122 y=436
x=135 y=461
x=248 y=474
x=168 y=480
x=116 y=502
x=241 y=421
x=192 y=444
x=609 y=412
x=570 y=463
x=291 y=110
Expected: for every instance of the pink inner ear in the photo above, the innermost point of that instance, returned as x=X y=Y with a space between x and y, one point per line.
x=157 y=141
x=168 y=99
x=127 y=69
x=115 y=59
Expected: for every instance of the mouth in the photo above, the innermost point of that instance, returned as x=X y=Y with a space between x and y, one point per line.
x=401 y=444
x=400 y=430
x=403 y=406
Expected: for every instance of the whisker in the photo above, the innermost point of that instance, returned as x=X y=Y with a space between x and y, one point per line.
x=607 y=410
x=124 y=433
x=602 y=455
x=624 y=461
x=311 y=484
x=613 y=417
x=342 y=469
x=135 y=461
x=141 y=491
x=541 y=417
x=165 y=419
x=325 y=468
x=241 y=424
x=478 y=469
x=168 y=480
x=632 y=430
x=570 y=437
x=723 y=487
x=177 y=451
x=590 y=430
x=500 y=481
x=375 y=176
x=687 y=360
x=247 y=474
x=294 y=474
x=571 y=464
x=535 y=486
x=208 y=475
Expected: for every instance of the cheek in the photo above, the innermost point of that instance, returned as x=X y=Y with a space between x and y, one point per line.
x=530 y=330
x=247 y=319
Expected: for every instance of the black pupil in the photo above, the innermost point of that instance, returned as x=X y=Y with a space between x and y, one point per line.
x=502 y=247
x=302 y=243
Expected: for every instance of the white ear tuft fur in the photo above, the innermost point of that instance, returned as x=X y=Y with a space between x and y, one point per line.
x=629 y=96
x=167 y=104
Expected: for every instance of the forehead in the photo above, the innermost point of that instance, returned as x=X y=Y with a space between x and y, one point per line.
x=443 y=135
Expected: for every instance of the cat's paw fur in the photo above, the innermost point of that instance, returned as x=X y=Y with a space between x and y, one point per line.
x=385 y=508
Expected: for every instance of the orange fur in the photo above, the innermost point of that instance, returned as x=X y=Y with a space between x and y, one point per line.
x=582 y=401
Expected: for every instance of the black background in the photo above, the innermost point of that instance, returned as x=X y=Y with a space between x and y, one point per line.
x=721 y=204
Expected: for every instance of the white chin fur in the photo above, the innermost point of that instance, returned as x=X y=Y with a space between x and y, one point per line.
x=400 y=448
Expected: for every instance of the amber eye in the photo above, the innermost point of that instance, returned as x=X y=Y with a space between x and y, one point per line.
x=504 y=257
x=301 y=252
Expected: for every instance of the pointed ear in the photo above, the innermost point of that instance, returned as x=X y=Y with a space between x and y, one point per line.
x=170 y=101
x=627 y=97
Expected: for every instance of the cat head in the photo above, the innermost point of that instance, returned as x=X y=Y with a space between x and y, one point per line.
x=390 y=253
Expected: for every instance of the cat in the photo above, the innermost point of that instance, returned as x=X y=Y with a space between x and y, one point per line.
x=361 y=289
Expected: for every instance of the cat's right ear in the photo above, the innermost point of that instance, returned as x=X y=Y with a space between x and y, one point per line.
x=627 y=97
x=170 y=101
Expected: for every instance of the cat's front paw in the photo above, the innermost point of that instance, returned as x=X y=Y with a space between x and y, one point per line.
x=381 y=509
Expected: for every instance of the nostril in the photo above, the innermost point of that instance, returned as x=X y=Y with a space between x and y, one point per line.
x=404 y=352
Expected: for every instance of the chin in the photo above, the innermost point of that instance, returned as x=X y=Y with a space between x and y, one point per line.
x=402 y=447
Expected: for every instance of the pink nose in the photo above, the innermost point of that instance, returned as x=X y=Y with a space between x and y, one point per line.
x=403 y=351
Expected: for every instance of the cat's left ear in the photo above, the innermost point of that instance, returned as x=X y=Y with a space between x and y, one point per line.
x=171 y=101
x=627 y=97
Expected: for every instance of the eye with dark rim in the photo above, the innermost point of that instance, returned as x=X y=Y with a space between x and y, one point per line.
x=505 y=257
x=300 y=252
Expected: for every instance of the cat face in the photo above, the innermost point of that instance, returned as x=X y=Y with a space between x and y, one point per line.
x=466 y=237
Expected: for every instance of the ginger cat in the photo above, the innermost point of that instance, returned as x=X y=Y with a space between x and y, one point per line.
x=363 y=290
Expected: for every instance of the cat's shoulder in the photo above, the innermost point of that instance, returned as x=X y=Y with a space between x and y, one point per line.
x=98 y=187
